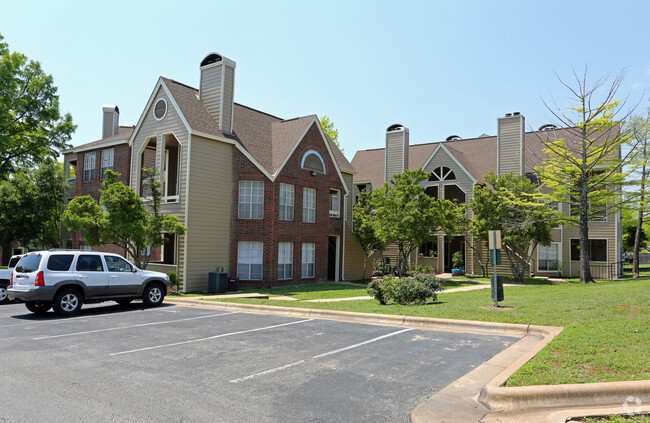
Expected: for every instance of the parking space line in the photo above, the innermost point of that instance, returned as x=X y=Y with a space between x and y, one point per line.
x=209 y=338
x=131 y=326
x=41 y=321
x=286 y=366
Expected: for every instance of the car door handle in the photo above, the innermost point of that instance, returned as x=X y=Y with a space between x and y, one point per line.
x=114 y=276
x=82 y=276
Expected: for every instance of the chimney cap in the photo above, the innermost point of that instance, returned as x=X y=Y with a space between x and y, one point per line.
x=214 y=57
x=395 y=127
x=110 y=108
x=453 y=138
x=516 y=113
x=508 y=114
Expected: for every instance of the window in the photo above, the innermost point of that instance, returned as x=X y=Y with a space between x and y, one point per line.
x=89 y=166
x=313 y=161
x=285 y=260
x=249 y=260
x=251 y=199
x=84 y=247
x=432 y=191
x=548 y=257
x=442 y=174
x=59 y=262
x=335 y=203
x=430 y=248
x=597 y=247
x=90 y=263
x=454 y=194
x=107 y=161
x=309 y=205
x=308 y=259
x=286 y=201
x=117 y=264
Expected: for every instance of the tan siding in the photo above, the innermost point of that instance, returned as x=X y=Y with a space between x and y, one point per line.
x=510 y=133
x=462 y=180
x=394 y=153
x=347 y=178
x=354 y=258
x=210 y=90
x=229 y=87
x=209 y=211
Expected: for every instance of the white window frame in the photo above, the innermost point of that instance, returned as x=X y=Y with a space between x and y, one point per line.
x=287 y=195
x=308 y=260
x=285 y=260
x=540 y=249
x=250 y=256
x=89 y=166
x=335 y=202
x=251 y=200
x=309 y=205
x=107 y=161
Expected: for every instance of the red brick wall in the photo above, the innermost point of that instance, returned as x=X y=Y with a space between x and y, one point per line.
x=270 y=230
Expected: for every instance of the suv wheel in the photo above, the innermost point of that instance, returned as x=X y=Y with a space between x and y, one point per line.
x=4 y=298
x=67 y=302
x=38 y=308
x=153 y=295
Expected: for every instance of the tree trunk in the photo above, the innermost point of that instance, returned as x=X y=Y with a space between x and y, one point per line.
x=585 y=253
x=639 y=225
x=365 y=261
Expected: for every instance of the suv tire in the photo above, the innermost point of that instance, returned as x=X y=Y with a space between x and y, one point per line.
x=153 y=295
x=38 y=308
x=4 y=298
x=67 y=302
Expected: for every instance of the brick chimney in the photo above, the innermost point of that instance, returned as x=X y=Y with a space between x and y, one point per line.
x=397 y=150
x=216 y=89
x=510 y=143
x=111 y=121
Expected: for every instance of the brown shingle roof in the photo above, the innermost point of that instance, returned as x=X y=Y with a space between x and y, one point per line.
x=123 y=134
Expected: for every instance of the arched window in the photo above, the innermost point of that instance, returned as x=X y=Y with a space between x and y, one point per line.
x=313 y=161
x=442 y=174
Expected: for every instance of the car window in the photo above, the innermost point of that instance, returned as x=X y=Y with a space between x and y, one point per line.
x=117 y=264
x=89 y=263
x=29 y=263
x=59 y=262
x=13 y=261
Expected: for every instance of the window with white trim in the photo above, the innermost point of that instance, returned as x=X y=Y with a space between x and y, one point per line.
x=285 y=260
x=548 y=258
x=107 y=161
x=335 y=203
x=309 y=205
x=308 y=260
x=89 y=167
x=286 y=201
x=249 y=260
x=251 y=199
x=597 y=249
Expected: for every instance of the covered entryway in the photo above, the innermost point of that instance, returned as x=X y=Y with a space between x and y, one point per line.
x=333 y=258
x=452 y=245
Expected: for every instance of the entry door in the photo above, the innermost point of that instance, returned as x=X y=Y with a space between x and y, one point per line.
x=332 y=258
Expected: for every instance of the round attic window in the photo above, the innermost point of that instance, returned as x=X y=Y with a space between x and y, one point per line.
x=160 y=109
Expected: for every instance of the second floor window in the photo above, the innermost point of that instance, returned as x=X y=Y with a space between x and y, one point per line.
x=107 y=161
x=89 y=166
x=309 y=205
x=335 y=203
x=286 y=202
x=251 y=200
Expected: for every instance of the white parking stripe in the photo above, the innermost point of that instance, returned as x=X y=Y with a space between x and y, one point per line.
x=209 y=338
x=132 y=326
x=286 y=366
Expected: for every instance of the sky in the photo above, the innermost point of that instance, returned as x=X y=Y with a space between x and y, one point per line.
x=439 y=68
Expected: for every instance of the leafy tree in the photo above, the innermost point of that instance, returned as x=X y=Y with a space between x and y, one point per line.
x=639 y=165
x=364 y=228
x=30 y=206
x=126 y=222
x=31 y=126
x=630 y=221
x=507 y=203
x=329 y=129
x=583 y=166
x=406 y=216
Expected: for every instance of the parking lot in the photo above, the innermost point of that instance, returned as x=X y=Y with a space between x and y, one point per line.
x=181 y=364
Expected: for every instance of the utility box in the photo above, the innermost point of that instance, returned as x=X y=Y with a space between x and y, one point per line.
x=217 y=282
x=499 y=288
x=233 y=284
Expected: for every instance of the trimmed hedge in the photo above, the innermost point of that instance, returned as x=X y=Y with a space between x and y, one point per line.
x=410 y=290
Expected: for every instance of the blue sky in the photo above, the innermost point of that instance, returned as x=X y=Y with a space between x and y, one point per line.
x=437 y=67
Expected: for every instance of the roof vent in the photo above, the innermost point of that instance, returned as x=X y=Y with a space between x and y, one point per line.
x=453 y=138
x=516 y=113
x=396 y=127
x=210 y=59
x=547 y=127
x=508 y=114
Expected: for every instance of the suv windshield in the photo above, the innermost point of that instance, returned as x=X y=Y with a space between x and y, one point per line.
x=29 y=263
x=13 y=261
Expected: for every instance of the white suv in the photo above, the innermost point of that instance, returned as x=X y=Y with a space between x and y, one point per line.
x=65 y=279
x=5 y=277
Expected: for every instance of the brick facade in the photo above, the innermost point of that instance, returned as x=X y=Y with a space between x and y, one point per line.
x=270 y=230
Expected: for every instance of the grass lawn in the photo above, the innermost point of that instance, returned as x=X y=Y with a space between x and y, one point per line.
x=606 y=335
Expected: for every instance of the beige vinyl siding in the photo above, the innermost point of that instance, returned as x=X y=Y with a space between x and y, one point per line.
x=228 y=95
x=210 y=90
x=152 y=128
x=509 y=145
x=396 y=153
x=354 y=257
x=462 y=180
x=209 y=211
x=349 y=203
x=597 y=230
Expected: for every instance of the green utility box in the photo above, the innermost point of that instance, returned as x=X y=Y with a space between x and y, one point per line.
x=217 y=282
x=499 y=288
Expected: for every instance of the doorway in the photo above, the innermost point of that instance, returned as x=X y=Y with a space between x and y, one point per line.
x=333 y=258
x=452 y=245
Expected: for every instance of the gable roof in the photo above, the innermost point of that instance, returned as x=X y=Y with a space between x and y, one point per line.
x=267 y=138
x=122 y=137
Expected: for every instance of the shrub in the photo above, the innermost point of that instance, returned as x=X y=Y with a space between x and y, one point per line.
x=376 y=290
x=405 y=291
x=457 y=260
x=175 y=280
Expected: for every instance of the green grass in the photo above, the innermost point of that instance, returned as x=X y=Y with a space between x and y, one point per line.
x=527 y=281
x=618 y=419
x=606 y=336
